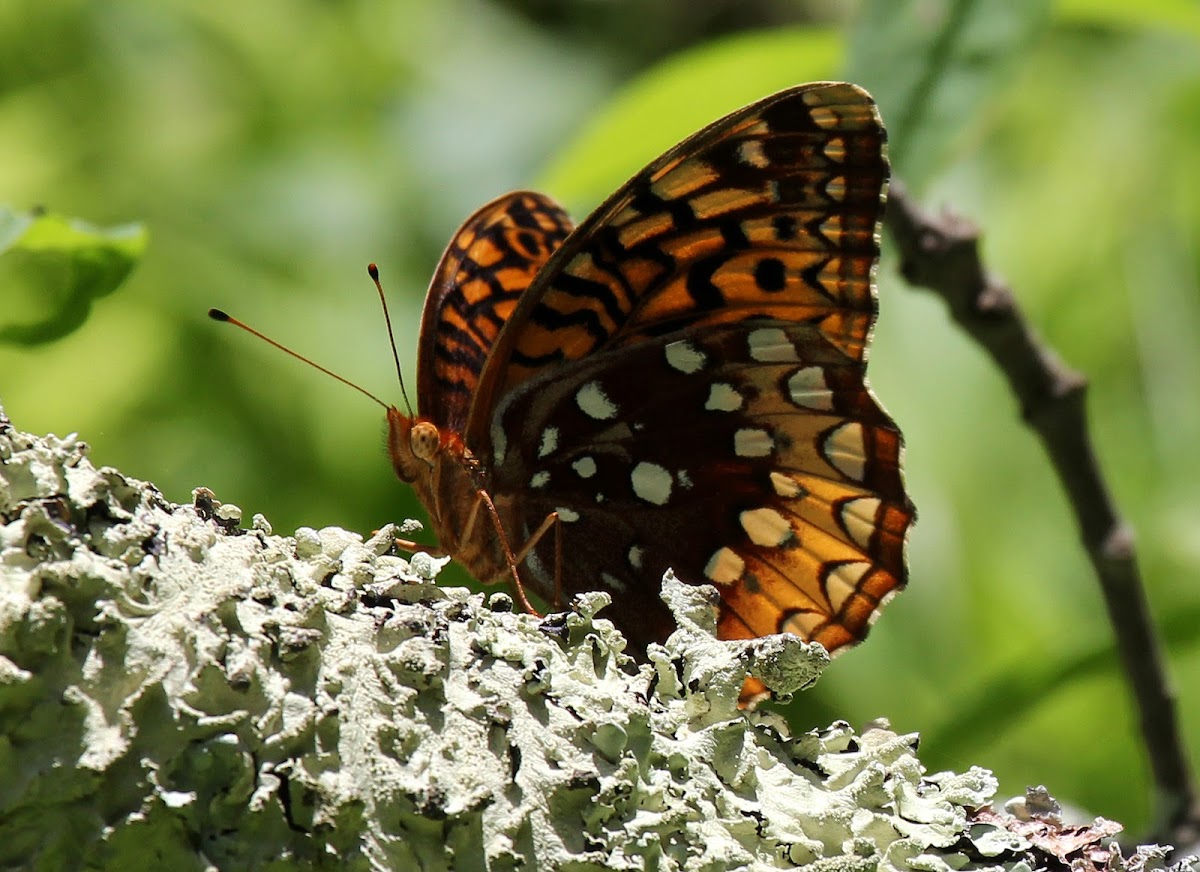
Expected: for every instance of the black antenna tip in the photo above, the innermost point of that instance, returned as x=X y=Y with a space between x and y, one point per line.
x=373 y=271
x=217 y=315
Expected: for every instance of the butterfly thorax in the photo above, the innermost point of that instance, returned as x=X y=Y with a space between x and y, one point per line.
x=446 y=476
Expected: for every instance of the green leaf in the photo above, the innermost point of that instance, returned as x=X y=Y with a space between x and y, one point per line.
x=680 y=96
x=933 y=65
x=53 y=267
x=1177 y=16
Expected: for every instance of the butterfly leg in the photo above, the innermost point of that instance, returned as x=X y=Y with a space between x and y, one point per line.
x=412 y=546
x=483 y=498
x=552 y=519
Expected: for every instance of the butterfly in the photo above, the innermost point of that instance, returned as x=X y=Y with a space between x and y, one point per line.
x=677 y=382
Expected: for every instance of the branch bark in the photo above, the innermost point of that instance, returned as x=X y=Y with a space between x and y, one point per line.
x=941 y=253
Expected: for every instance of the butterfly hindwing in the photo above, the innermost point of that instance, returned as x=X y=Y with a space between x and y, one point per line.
x=779 y=482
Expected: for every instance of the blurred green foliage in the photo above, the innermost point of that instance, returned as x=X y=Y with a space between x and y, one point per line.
x=273 y=149
x=56 y=267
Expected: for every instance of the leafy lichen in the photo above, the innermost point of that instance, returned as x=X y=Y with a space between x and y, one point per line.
x=179 y=692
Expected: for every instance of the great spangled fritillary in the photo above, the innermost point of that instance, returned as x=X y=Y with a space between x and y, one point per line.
x=678 y=382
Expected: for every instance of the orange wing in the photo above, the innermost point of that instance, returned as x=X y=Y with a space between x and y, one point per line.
x=682 y=378
x=490 y=261
x=772 y=211
x=684 y=383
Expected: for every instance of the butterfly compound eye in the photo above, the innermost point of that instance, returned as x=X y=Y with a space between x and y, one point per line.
x=424 y=440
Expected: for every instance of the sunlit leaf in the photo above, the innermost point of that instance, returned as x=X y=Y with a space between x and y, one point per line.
x=54 y=267
x=932 y=64
x=678 y=97
x=1177 y=16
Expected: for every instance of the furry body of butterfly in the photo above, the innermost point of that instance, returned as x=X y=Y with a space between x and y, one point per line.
x=678 y=382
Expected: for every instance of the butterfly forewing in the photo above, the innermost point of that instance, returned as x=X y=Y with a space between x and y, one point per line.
x=683 y=381
x=489 y=263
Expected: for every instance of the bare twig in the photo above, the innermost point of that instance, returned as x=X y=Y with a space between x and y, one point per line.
x=941 y=253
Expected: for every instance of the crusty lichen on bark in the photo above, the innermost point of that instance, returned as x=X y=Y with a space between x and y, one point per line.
x=178 y=692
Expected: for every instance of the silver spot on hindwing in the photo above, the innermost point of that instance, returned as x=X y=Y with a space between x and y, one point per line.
x=651 y=483
x=808 y=388
x=752 y=442
x=612 y=582
x=786 y=486
x=771 y=345
x=723 y=398
x=846 y=451
x=685 y=357
x=724 y=567
x=767 y=527
x=549 y=442
x=858 y=518
x=842 y=583
x=499 y=443
x=585 y=466
x=594 y=402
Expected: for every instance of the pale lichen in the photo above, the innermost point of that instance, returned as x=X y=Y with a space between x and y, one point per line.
x=177 y=692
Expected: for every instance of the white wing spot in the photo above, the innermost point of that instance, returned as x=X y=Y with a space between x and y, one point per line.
x=536 y=567
x=685 y=357
x=652 y=483
x=540 y=479
x=585 y=467
x=835 y=149
x=600 y=498
x=549 y=442
x=766 y=527
x=808 y=388
x=786 y=486
x=845 y=451
x=751 y=153
x=842 y=583
x=499 y=444
x=824 y=116
x=611 y=581
x=723 y=398
x=803 y=624
x=567 y=516
x=635 y=556
x=594 y=403
x=752 y=442
x=724 y=567
x=858 y=517
x=683 y=478
x=771 y=345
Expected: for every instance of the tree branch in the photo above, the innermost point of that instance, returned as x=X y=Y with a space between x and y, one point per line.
x=941 y=253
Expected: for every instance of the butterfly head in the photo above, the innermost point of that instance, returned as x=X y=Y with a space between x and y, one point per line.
x=413 y=444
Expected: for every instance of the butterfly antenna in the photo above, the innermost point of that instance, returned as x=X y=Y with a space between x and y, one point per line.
x=218 y=315
x=374 y=272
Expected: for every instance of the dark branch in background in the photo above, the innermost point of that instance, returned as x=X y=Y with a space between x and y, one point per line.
x=941 y=253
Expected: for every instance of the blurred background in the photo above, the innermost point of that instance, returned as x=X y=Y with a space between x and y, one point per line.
x=273 y=149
